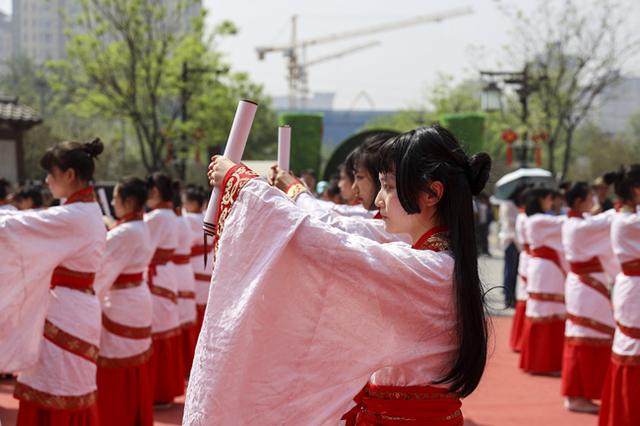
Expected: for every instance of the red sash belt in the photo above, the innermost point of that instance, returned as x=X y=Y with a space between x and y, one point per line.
x=162 y=256
x=527 y=248
x=163 y=292
x=123 y=330
x=591 y=266
x=202 y=277
x=181 y=259
x=631 y=268
x=186 y=294
x=546 y=252
x=200 y=250
x=591 y=323
x=81 y=281
x=400 y=405
x=633 y=332
x=70 y=343
x=128 y=281
x=546 y=297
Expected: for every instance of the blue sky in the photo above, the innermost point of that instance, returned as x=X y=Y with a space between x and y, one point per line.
x=393 y=74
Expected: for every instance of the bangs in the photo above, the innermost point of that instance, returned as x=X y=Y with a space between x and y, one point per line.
x=392 y=152
x=48 y=160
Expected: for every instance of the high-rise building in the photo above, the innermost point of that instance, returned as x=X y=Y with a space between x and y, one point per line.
x=39 y=26
x=6 y=37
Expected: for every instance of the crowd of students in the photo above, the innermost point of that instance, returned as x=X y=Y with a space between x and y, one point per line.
x=386 y=325
x=577 y=295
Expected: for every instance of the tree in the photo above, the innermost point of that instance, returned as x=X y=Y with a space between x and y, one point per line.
x=574 y=51
x=132 y=59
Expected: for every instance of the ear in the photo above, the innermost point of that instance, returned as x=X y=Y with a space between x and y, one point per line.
x=433 y=197
x=69 y=174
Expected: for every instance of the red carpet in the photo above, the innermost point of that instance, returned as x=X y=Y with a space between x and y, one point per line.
x=506 y=396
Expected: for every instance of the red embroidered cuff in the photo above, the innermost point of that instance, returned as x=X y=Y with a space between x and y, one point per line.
x=296 y=189
x=235 y=179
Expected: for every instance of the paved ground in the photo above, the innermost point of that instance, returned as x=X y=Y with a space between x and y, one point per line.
x=505 y=397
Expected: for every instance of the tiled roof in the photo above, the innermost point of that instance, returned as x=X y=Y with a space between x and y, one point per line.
x=15 y=113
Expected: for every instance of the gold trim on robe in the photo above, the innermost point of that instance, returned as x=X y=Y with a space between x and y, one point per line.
x=130 y=361
x=47 y=400
x=296 y=189
x=70 y=343
x=125 y=330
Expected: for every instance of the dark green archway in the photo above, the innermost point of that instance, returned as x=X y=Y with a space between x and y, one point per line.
x=345 y=147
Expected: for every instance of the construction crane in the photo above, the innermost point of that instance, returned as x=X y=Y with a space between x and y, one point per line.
x=296 y=51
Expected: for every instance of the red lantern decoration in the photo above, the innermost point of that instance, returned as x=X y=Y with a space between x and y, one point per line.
x=537 y=139
x=509 y=137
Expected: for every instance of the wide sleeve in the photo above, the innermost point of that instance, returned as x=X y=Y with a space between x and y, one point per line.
x=364 y=227
x=118 y=253
x=310 y=315
x=32 y=245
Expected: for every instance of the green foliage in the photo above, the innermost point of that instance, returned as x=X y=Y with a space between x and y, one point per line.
x=306 y=139
x=468 y=128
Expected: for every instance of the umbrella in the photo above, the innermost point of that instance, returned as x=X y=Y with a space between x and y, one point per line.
x=508 y=183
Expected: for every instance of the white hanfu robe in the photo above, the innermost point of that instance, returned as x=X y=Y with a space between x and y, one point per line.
x=201 y=272
x=621 y=390
x=301 y=315
x=127 y=310
x=372 y=228
x=58 y=371
x=523 y=245
x=342 y=209
x=184 y=274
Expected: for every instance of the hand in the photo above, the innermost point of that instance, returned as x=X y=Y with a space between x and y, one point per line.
x=283 y=179
x=218 y=168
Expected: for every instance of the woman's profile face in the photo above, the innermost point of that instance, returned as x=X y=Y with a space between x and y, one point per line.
x=346 y=186
x=58 y=182
x=396 y=219
x=364 y=188
x=547 y=203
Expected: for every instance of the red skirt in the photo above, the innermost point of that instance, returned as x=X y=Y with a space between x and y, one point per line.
x=517 y=326
x=189 y=340
x=584 y=366
x=621 y=396
x=167 y=368
x=125 y=395
x=402 y=405
x=542 y=346
x=30 y=414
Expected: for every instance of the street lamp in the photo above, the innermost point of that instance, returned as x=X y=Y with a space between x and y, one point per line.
x=491 y=97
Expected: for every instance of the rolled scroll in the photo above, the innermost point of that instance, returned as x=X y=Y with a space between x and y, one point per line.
x=284 y=147
x=233 y=151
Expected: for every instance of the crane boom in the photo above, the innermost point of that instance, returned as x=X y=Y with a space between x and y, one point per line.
x=391 y=26
x=342 y=53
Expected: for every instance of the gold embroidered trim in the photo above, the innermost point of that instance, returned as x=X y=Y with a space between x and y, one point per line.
x=47 y=400
x=625 y=359
x=591 y=323
x=69 y=342
x=552 y=318
x=437 y=242
x=547 y=297
x=236 y=178
x=166 y=334
x=125 y=285
x=184 y=294
x=202 y=277
x=391 y=395
x=296 y=189
x=125 y=330
x=588 y=341
x=451 y=416
x=633 y=332
x=131 y=361
x=598 y=286
x=163 y=292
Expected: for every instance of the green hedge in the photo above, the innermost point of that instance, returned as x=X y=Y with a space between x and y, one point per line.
x=306 y=139
x=468 y=127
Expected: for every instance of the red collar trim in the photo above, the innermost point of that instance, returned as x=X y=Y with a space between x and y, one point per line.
x=378 y=216
x=85 y=195
x=521 y=210
x=130 y=217
x=164 y=205
x=433 y=239
x=573 y=213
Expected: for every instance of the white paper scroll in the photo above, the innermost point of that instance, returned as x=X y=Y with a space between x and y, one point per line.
x=284 y=147
x=104 y=202
x=233 y=151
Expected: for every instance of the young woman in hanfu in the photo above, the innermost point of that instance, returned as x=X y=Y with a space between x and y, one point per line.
x=517 y=325
x=186 y=283
x=543 y=338
x=303 y=317
x=125 y=393
x=192 y=206
x=166 y=361
x=365 y=163
x=590 y=325
x=50 y=258
x=621 y=391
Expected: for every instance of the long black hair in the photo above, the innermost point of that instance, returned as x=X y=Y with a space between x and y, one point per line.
x=134 y=188
x=163 y=182
x=73 y=155
x=429 y=154
x=533 y=200
x=624 y=181
x=367 y=156
x=576 y=192
x=4 y=188
x=195 y=194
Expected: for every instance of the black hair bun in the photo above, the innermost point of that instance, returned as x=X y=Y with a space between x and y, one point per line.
x=94 y=148
x=479 y=169
x=612 y=178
